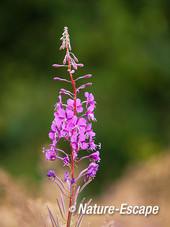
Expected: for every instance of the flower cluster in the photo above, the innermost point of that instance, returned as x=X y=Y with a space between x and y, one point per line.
x=73 y=122
x=76 y=129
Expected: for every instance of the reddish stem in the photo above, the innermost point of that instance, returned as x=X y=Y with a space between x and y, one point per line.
x=72 y=150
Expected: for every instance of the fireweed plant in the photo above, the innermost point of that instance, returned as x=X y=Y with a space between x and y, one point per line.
x=73 y=122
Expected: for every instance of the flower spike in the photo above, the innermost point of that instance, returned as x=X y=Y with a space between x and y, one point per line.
x=72 y=122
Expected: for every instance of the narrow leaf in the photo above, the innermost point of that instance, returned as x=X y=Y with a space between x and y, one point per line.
x=54 y=224
x=62 y=202
x=85 y=185
x=58 y=203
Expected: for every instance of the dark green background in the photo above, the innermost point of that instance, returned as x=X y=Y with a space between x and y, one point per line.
x=124 y=44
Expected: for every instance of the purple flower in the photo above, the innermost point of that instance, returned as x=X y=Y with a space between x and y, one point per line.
x=77 y=124
x=95 y=156
x=58 y=104
x=66 y=161
x=60 y=124
x=66 y=176
x=72 y=181
x=99 y=145
x=92 y=169
x=75 y=155
x=74 y=141
x=64 y=115
x=92 y=145
x=51 y=156
x=51 y=135
x=90 y=114
x=51 y=153
x=82 y=141
x=90 y=98
x=79 y=141
x=89 y=132
x=70 y=103
x=51 y=173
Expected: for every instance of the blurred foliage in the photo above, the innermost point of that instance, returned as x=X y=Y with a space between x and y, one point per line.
x=124 y=44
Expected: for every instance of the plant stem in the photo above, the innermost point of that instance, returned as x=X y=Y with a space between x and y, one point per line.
x=72 y=150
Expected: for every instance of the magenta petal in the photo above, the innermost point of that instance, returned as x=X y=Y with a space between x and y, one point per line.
x=91 y=117
x=55 y=114
x=95 y=156
x=92 y=134
x=88 y=127
x=60 y=98
x=54 y=142
x=84 y=146
x=74 y=145
x=70 y=102
x=91 y=97
x=74 y=137
x=58 y=122
x=70 y=113
x=74 y=119
x=92 y=145
x=80 y=109
x=78 y=102
x=82 y=137
x=53 y=127
x=86 y=94
x=82 y=122
x=51 y=135
x=61 y=113
x=90 y=108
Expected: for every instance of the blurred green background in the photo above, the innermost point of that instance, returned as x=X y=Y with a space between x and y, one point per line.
x=124 y=44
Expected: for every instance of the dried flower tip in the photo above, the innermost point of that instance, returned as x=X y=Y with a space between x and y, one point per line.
x=65 y=39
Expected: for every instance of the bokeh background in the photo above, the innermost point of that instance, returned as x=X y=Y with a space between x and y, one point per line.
x=124 y=44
